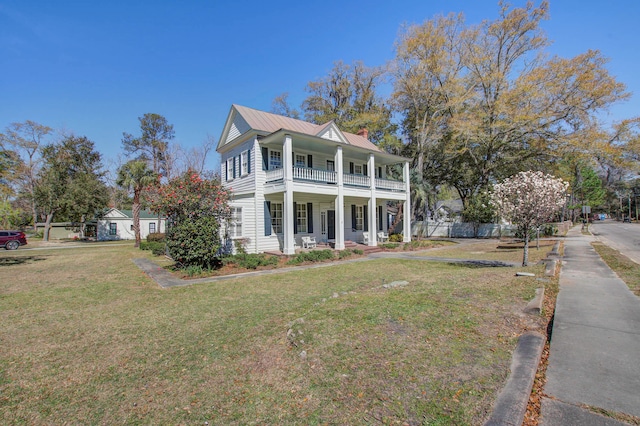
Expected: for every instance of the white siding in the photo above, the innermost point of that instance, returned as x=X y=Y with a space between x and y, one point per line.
x=238 y=127
x=239 y=184
x=248 y=222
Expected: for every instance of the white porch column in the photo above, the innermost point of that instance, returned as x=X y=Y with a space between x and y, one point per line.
x=406 y=211
x=339 y=204
x=372 y=225
x=288 y=215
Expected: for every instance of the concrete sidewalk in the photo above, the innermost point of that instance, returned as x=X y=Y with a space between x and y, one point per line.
x=595 y=346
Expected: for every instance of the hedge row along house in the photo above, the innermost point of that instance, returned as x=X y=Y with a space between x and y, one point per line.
x=292 y=179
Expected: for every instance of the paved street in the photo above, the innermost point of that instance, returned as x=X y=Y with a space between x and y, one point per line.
x=624 y=237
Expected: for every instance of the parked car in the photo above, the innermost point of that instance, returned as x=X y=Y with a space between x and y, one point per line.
x=11 y=240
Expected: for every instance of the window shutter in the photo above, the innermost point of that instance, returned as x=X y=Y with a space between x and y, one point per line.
x=309 y=161
x=295 y=218
x=310 y=218
x=234 y=167
x=265 y=158
x=365 y=225
x=364 y=170
x=353 y=216
x=248 y=161
x=380 y=228
x=380 y=172
x=267 y=218
x=293 y=159
x=226 y=170
x=350 y=168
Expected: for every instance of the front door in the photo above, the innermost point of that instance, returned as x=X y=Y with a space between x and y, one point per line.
x=331 y=224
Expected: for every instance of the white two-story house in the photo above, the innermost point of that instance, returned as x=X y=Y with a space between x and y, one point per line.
x=291 y=179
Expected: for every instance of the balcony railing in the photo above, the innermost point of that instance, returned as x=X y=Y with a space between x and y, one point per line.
x=391 y=185
x=356 y=180
x=314 y=175
x=328 y=176
x=275 y=175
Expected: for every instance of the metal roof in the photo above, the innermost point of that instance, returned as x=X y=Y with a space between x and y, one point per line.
x=270 y=123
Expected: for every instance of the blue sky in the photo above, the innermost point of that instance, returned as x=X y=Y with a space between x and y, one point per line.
x=94 y=67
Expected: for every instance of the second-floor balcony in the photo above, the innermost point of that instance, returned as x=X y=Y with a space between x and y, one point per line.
x=306 y=174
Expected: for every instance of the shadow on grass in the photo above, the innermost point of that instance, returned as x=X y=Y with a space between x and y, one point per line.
x=482 y=264
x=20 y=260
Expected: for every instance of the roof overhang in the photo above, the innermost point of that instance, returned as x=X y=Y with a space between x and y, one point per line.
x=315 y=143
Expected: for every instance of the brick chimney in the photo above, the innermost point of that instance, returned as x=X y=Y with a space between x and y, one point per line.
x=364 y=133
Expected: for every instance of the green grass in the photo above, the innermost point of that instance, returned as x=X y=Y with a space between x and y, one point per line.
x=87 y=338
x=627 y=270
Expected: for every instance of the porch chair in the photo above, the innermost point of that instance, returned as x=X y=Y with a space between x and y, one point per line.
x=309 y=242
x=383 y=236
x=365 y=238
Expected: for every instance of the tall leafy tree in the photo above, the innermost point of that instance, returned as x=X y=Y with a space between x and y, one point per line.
x=25 y=141
x=152 y=144
x=135 y=176
x=348 y=97
x=70 y=181
x=281 y=106
x=481 y=102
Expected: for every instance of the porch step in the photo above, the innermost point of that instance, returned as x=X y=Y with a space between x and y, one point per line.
x=369 y=249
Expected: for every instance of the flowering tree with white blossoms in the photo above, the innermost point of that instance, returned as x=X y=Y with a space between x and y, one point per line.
x=529 y=200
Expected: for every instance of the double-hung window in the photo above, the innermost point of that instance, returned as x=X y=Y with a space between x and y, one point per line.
x=359 y=218
x=301 y=160
x=244 y=163
x=357 y=169
x=301 y=217
x=276 y=217
x=275 y=160
x=235 y=224
x=152 y=227
x=113 y=229
x=231 y=173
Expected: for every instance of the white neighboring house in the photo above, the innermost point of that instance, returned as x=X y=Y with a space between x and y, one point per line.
x=117 y=224
x=290 y=178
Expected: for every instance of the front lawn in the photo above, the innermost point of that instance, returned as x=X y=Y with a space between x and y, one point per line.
x=87 y=338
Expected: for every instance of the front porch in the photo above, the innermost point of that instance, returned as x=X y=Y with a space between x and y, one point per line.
x=336 y=222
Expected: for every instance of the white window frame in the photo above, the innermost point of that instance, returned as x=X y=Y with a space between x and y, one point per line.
x=359 y=218
x=301 y=218
x=331 y=165
x=275 y=160
x=357 y=169
x=113 y=228
x=276 y=218
x=152 y=227
x=301 y=160
x=231 y=162
x=244 y=161
x=235 y=222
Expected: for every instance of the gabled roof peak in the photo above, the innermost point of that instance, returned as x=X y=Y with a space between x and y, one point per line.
x=243 y=119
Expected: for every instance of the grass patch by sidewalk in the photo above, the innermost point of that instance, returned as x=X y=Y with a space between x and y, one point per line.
x=627 y=270
x=88 y=338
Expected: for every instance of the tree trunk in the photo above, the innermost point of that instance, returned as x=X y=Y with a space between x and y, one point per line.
x=47 y=227
x=525 y=255
x=136 y=218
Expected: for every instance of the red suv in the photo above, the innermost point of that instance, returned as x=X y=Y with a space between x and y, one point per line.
x=11 y=240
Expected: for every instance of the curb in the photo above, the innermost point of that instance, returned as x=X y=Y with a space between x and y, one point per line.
x=511 y=405
x=535 y=305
